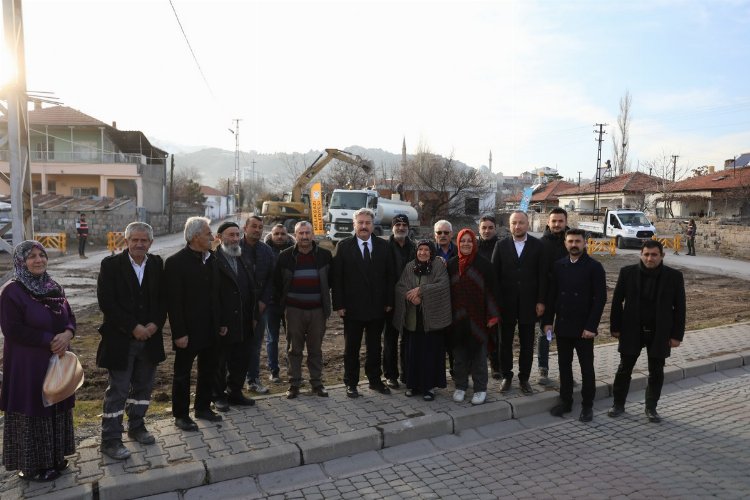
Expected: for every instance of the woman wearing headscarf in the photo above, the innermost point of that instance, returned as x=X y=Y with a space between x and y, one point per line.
x=475 y=313
x=422 y=308
x=37 y=322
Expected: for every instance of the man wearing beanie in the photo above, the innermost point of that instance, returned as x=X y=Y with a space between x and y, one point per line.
x=402 y=250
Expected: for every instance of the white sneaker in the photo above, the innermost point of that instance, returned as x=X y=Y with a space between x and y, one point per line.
x=478 y=398
x=459 y=396
x=257 y=387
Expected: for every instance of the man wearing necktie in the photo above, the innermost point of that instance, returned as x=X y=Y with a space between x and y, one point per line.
x=362 y=293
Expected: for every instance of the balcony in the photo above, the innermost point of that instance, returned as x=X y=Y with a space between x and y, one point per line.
x=38 y=156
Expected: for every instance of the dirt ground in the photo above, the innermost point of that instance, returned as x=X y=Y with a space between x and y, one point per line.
x=711 y=300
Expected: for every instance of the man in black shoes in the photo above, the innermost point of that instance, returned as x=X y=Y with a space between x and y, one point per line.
x=131 y=295
x=237 y=302
x=194 y=317
x=577 y=295
x=363 y=288
x=653 y=316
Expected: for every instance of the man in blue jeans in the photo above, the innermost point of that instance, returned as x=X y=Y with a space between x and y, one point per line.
x=260 y=260
x=278 y=239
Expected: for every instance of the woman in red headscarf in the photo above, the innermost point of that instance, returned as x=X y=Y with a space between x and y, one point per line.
x=475 y=313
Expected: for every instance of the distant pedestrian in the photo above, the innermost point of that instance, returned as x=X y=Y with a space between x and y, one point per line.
x=577 y=295
x=362 y=295
x=475 y=317
x=422 y=308
x=403 y=251
x=554 y=246
x=132 y=297
x=691 y=232
x=238 y=304
x=301 y=287
x=522 y=274
x=82 y=229
x=194 y=318
x=653 y=316
x=260 y=260
x=279 y=240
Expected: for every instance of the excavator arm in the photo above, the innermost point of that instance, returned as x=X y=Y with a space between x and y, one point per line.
x=319 y=164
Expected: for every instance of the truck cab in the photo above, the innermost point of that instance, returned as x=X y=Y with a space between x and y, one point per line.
x=341 y=208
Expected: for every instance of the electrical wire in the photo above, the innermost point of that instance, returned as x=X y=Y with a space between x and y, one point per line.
x=195 y=58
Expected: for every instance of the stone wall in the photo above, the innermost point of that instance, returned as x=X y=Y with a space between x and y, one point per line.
x=713 y=238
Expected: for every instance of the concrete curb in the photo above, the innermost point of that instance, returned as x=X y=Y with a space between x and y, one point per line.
x=252 y=462
x=344 y=444
x=414 y=429
x=153 y=481
x=477 y=416
x=530 y=405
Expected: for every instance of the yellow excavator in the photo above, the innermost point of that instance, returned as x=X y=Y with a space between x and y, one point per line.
x=296 y=204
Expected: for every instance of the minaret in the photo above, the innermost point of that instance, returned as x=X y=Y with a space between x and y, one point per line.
x=403 y=153
x=490 y=161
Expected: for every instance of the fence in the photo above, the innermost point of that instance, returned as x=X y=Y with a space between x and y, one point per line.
x=116 y=241
x=57 y=241
x=601 y=246
x=673 y=242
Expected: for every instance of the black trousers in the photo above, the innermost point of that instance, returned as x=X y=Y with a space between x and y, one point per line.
x=624 y=374
x=584 y=348
x=526 y=356
x=183 y=365
x=393 y=352
x=82 y=245
x=373 y=330
x=231 y=365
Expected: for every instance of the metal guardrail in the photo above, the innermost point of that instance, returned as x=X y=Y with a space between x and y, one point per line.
x=58 y=241
x=607 y=245
x=673 y=242
x=116 y=241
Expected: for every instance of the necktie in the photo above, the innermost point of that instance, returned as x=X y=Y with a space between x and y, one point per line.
x=366 y=253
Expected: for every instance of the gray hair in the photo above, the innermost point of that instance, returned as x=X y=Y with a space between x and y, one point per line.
x=443 y=222
x=302 y=223
x=194 y=225
x=139 y=226
x=364 y=211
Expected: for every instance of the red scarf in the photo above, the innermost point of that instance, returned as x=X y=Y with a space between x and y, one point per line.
x=465 y=261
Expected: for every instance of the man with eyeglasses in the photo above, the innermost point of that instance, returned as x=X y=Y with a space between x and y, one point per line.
x=443 y=234
x=402 y=250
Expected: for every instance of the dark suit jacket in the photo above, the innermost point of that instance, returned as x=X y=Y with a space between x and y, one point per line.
x=364 y=294
x=192 y=304
x=670 y=311
x=117 y=291
x=577 y=295
x=236 y=313
x=521 y=282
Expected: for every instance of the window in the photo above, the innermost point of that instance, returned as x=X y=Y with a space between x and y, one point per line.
x=81 y=192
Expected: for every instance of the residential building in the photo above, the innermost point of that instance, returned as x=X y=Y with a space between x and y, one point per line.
x=544 y=198
x=624 y=191
x=218 y=205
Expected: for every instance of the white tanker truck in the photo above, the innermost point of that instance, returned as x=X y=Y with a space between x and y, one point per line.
x=344 y=202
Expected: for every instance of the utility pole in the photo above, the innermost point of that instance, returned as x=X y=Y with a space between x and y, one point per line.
x=18 y=128
x=674 y=166
x=171 y=195
x=579 y=178
x=597 y=185
x=236 y=133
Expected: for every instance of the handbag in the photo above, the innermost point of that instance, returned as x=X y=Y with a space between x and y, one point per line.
x=64 y=377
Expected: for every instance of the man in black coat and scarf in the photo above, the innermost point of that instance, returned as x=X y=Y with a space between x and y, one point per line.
x=653 y=316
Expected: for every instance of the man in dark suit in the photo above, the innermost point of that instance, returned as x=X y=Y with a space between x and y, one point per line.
x=521 y=269
x=237 y=302
x=578 y=293
x=130 y=290
x=192 y=304
x=362 y=294
x=653 y=317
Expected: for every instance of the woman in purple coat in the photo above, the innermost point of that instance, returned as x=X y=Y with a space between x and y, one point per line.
x=37 y=322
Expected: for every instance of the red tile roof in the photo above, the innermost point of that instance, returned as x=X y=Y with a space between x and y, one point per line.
x=718 y=181
x=62 y=116
x=548 y=193
x=209 y=191
x=633 y=182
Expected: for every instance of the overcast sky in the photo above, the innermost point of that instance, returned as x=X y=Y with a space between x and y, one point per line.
x=524 y=79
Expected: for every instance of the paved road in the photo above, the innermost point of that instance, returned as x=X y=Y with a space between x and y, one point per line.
x=698 y=451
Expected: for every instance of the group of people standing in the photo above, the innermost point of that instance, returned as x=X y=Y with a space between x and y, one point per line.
x=414 y=302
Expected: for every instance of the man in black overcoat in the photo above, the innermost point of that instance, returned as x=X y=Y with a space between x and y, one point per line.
x=363 y=288
x=653 y=316
x=194 y=318
x=522 y=273
x=130 y=291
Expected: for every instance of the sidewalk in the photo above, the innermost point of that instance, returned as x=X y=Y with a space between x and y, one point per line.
x=278 y=434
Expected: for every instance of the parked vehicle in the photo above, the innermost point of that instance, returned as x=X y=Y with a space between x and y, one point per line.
x=344 y=202
x=628 y=227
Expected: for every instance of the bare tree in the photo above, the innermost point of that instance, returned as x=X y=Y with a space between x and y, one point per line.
x=666 y=169
x=187 y=186
x=342 y=175
x=294 y=165
x=444 y=185
x=621 y=140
